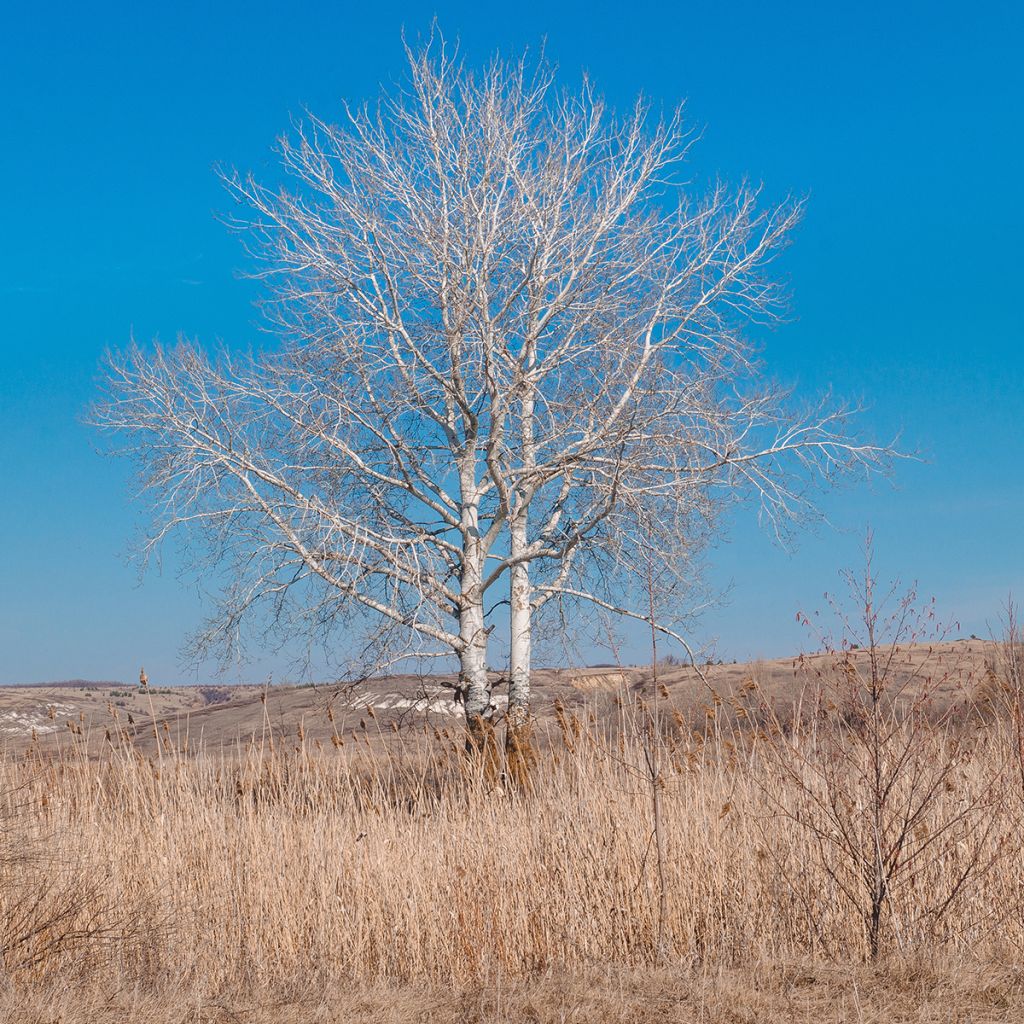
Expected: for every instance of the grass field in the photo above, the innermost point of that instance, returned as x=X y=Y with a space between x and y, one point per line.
x=291 y=880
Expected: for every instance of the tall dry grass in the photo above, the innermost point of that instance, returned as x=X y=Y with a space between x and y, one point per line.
x=308 y=867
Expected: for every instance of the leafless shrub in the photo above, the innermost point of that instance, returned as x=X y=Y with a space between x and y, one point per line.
x=887 y=779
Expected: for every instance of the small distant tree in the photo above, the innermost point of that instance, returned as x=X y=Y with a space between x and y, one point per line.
x=510 y=355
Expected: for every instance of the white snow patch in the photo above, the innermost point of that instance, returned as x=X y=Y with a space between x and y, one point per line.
x=21 y=723
x=438 y=702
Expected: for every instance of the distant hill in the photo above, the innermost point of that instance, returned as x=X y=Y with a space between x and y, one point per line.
x=397 y=708
x=72 y=684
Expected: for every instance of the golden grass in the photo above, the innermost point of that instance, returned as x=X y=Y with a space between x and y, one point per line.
x=185 y=881
x=795 y=993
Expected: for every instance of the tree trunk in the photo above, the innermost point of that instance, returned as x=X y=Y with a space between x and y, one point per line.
x=473 y=681
x=518 y=747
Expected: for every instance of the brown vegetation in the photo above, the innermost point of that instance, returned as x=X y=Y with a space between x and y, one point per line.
x=803 y=992
x=299 y=869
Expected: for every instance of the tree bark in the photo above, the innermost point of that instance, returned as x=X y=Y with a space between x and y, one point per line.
x=518 y=748
x=518 y=745
x=473 y=680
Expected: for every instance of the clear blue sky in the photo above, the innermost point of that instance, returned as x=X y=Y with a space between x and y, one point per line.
x=902 y=121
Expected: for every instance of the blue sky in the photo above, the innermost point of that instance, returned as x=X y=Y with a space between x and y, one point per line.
x=901 y=121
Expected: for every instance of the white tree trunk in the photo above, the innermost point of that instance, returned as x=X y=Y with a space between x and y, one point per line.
x=517 y=733
x=521 y=627
x=473 y=681
x=473 y=667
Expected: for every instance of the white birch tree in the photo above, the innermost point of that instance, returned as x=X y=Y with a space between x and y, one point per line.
x=510 y=354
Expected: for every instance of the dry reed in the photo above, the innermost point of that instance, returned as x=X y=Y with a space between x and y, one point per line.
x=335 y=867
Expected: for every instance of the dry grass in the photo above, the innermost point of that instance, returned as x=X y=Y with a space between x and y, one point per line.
x=795 y=993
x=173 y=888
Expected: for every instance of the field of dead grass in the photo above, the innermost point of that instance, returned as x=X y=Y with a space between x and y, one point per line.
x=334 y=883
x=922 y=992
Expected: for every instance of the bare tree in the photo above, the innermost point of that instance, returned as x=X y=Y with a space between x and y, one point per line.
x=510 y=353
x=878 y=764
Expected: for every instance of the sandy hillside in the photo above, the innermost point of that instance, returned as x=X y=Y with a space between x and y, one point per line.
x=402 y=706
